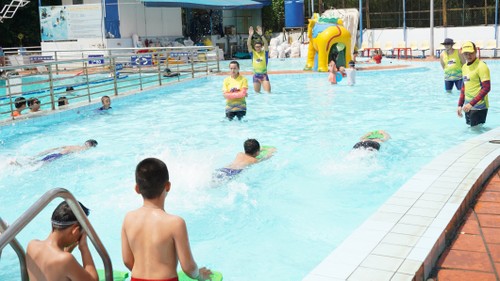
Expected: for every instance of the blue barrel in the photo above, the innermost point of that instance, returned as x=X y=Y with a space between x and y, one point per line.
x=294 y=13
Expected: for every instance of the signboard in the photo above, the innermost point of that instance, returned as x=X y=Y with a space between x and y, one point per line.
x=40 y=58
x=141 y=60
x=96 y=59
x=182 y=54
x=70 y=22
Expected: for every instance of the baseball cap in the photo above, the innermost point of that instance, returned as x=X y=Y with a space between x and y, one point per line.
x=468 y=47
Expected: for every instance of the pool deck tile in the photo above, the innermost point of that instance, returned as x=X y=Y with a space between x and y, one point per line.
x=474 y=253
x=428 y=229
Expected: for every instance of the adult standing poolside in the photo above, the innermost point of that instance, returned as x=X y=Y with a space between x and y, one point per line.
x=451 y=62
x=475 y=89
x=259 y=53
x=235 y=88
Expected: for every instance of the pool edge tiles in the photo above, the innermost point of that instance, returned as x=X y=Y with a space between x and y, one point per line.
x=403 y=239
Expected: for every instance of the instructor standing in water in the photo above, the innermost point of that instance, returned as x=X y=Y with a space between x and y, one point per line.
x=259 y=53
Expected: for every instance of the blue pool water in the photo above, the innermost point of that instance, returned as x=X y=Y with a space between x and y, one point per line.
x=279 y=218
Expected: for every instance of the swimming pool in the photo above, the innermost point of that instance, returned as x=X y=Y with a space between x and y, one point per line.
x=278 y=219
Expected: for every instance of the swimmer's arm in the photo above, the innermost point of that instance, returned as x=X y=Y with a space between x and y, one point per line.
x=441 y=60
x=127 y=255
x=74 y=270
x=264 y=40
x=385 y=134
x=270 y=153
x=249 y=40
x=183 y=249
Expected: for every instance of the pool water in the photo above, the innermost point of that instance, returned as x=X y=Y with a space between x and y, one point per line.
x=278 y=219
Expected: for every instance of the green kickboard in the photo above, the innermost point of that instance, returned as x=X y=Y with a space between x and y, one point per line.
x=216 y=276
x=117 y=275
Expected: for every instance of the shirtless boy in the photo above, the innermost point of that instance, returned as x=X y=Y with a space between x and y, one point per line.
x=243 y=160
x=51 y=259
x=154 y=241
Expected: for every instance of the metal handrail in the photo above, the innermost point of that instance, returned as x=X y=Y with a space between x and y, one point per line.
x=10 y=233
x=18 y=249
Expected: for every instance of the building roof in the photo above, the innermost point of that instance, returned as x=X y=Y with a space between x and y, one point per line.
x=208 y=4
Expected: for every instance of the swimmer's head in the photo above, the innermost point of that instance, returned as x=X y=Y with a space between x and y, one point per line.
x=352 y=63
x=20 y=102
x=235 y=63
x=368 y=145
x=252 y=147
x=63 y=217
x=91 y=143
x=151 y=178
x=257 y=45
x=234 y=68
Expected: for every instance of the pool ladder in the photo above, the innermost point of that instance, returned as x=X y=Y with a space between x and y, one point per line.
x=8 y=233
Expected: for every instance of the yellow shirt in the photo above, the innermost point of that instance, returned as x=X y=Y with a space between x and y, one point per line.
x=237 y=84
x=259 y=62
x=473 y=75
x=452 y=66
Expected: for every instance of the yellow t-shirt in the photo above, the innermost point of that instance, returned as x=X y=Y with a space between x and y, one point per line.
x=473 y=75
x=452 y=66
x=259 y=62
x=239 y=83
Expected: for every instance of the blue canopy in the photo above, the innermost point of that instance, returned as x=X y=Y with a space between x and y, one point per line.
x=208 y=4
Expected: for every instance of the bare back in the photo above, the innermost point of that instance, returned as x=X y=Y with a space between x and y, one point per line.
x=153 y=241
x=45 y=262
x=242 y=161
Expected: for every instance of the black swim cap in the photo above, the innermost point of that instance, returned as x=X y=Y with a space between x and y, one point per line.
x=368 y=144
x=93 y=143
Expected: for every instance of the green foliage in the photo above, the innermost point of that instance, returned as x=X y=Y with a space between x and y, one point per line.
x=273 y=16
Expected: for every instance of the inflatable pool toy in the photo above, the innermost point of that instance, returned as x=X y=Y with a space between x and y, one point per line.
x=117 y=275
x=327 y=38
x=216 y=276
x=339 y=77
x=264 y=151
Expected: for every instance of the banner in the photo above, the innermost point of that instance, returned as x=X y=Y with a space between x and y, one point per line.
x=70 y=22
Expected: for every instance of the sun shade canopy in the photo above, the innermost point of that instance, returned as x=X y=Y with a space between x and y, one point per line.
x=207 y=4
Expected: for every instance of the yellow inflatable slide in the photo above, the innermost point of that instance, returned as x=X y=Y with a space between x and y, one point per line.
x=328 y=40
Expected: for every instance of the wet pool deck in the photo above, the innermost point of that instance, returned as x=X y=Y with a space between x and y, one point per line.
x=410 y=233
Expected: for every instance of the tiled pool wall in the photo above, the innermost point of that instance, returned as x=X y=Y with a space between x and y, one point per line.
x=404 y=238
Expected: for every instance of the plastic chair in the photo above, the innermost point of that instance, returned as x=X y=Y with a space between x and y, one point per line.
x=491 y=45
x=414 y=47
x=424 y=46
x=364 y=47
x=388 y=48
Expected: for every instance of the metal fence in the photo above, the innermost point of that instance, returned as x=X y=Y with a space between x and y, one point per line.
x=62 y=79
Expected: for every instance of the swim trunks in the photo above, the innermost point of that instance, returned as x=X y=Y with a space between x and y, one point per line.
x=169 y=279
x=51 y=157
x=368 y=144
x=258 y=77
x=226 y=173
